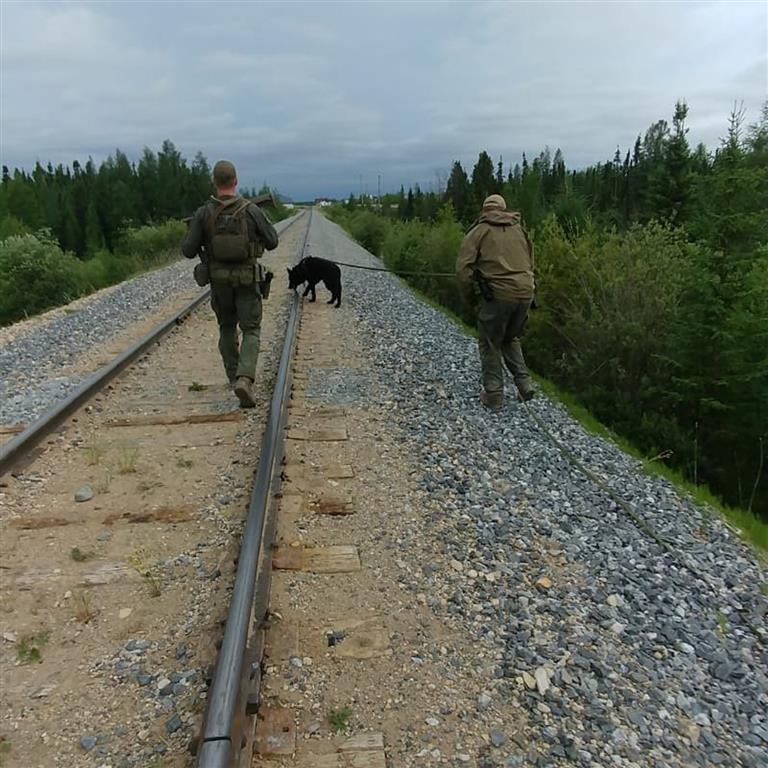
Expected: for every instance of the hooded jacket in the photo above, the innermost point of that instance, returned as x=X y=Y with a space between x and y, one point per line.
x=498 y=247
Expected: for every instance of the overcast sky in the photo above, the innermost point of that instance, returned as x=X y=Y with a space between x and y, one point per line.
x=312 y=96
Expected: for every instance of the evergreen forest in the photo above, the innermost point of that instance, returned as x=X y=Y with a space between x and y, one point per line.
x=68 y=230
x=652 y=274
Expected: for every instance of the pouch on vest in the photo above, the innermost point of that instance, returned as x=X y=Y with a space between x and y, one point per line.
x=228 y=232
x=202 y=274
x=265 y=281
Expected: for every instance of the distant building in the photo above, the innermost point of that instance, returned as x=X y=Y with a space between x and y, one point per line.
x=289 y=206
x=324 y=202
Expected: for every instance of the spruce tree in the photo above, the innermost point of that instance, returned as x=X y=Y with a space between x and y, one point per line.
x=459 y=193
x=483 y=179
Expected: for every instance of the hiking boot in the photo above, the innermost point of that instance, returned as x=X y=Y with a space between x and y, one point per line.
x=527 y=394
x=244 y=392
x=491 y=402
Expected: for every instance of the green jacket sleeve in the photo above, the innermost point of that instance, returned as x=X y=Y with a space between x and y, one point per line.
x=264 y=229
x=468 y=253
x=193 y=239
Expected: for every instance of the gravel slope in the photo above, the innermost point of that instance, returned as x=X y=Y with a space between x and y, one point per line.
x=620 y=653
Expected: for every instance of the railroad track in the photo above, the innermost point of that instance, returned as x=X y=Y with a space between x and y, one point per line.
x=75 y=564
x=234 y=690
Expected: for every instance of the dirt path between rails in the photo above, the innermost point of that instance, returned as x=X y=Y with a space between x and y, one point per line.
x=110 y=608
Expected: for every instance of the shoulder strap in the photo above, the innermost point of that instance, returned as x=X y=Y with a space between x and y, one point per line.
x=222 y=205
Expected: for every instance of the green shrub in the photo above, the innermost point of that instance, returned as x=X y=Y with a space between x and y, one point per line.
x=152 y=242
x=10 y=226
x=35 y=275
x=369 y=229
x=105 y=268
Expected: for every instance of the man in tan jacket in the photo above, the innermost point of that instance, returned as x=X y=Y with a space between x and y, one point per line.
x=497 y=255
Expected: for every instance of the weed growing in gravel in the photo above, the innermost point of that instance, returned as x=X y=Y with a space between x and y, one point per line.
x=28 y=649
x=84 y=612
x=94 y=451
x=148 y=570
x=196 y=386
x=126 y=460
x=184 y=463
x=79 y=556
x=722 y=623
x=764 y=589
x=339 y=718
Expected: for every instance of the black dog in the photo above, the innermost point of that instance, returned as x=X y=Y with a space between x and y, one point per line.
x=312 y=270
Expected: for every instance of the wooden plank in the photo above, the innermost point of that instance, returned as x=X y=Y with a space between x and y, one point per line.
x=320 y=435
x=292 y=505
x=362 y=742
x=275 y=732
x=337 y=559
x=338 y=471
x=322 y=472
x=333 y=506
x=282 y=641
x=164 y=419
x=104 y=574
x=11 y=429
x=37 y=523
x=365 y=759
x=320 y=761
x=160 y=515
x=30 y=576
x=108 y=573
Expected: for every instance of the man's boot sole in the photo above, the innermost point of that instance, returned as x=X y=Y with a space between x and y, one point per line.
x=245 y=397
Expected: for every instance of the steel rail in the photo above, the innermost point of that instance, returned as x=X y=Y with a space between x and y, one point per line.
x=221 y=742
x=12 y=451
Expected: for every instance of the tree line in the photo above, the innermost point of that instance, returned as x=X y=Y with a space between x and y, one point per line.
x=87 y=207
x=653 y=285
x=67 y=231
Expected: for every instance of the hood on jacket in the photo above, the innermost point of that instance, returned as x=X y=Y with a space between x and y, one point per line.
x=499 y=217
x=494 y=201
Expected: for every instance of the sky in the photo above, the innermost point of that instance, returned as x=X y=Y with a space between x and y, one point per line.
x=323 y=98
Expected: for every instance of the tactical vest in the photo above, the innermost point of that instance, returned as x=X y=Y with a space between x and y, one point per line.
x=228 y=233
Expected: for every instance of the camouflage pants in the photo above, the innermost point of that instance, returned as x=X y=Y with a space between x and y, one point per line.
x=237 y=304
x=500 y=325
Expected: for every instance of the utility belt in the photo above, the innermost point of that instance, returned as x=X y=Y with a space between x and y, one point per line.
x=248 y=273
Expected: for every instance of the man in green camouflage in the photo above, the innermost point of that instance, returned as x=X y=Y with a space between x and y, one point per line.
x=234 y=233
x=497 y=255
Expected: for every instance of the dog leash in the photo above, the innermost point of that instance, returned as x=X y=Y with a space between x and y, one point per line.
x=392 y=271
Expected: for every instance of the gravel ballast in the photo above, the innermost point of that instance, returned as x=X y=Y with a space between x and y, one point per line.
x=619 y=651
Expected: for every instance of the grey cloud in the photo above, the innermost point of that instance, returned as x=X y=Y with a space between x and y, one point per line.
x=310 y=96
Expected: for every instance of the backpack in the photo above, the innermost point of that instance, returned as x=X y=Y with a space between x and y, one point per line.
x=228 y=231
